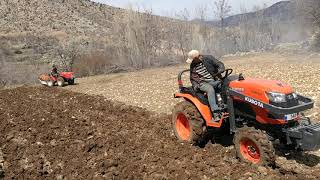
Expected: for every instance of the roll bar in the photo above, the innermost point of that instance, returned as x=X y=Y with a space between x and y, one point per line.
x=180 y=83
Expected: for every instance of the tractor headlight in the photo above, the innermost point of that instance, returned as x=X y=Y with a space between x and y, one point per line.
x=295 y=95
x=276 y=97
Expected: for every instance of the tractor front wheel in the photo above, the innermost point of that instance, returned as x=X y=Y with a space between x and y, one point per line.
x=253 y=146
x=50 y=83
x=187 y=123
x=60 y=81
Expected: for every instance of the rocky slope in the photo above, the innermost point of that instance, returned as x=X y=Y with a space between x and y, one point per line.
x=76 y=17
x=35 y=29
x=38 y=32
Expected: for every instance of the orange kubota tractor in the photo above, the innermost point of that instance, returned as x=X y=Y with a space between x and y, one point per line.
x=257 y=113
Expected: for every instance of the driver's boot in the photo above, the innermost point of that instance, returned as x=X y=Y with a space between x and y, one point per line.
x=216 y=118
x=216 y=115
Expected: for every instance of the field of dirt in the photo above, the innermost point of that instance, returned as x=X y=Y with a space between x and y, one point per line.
x=57 y=134
x=100 y=133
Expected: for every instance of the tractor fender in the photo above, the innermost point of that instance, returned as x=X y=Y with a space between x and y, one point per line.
x=203 y=109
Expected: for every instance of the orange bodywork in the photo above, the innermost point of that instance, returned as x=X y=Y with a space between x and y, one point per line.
x=203 y=109
x=253 y=88
x=256 y=89
x=44 y=77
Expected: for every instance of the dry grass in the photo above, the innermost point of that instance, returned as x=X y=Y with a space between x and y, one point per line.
x=153 y=89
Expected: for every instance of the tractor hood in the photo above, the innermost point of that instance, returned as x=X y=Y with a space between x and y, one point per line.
x=67 y=75
x=257 y=88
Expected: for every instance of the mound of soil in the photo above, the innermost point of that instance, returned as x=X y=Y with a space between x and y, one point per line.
x=57 y=134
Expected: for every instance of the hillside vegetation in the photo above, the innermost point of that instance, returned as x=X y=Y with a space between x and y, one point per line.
x=91 y=38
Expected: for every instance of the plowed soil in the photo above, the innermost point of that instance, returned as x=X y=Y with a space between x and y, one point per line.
x=57 y=134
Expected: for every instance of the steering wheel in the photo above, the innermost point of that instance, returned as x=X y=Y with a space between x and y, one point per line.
x=227 y=72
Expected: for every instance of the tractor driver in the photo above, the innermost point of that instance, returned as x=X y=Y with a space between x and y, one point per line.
x=202 y=70
x=54 y=71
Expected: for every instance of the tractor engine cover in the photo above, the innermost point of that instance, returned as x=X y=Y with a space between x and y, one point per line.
x=306 y=137
x=67 y=75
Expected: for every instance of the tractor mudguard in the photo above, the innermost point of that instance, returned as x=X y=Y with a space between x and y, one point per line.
x=203 y=109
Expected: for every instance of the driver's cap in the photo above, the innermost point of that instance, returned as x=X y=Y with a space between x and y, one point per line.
x=192 y=55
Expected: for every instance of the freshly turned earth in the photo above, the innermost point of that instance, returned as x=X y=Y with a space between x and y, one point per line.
x=58 y=134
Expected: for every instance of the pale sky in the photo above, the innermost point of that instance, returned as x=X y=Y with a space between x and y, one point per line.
x=168 y=7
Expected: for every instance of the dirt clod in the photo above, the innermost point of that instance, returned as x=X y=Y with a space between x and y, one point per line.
x=263 y=170
x=105 y=140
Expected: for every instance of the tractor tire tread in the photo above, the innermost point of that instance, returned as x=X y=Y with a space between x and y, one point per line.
x=60 y=79
x=195 y=119
x=260 y=137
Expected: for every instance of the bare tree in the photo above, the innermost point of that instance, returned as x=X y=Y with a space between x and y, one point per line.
x=204 y=32
x=184 y=35
x=313 y=10
x=68 y=53
x=142 y=37
x=3 y=71
x=201 y=12
x=2 y=64
x=222 y=9
x=310 y=11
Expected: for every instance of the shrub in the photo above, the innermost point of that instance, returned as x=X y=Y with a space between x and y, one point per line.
x=315 y=42
x=93 y=64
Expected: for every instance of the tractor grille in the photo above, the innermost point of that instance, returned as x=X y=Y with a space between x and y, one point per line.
x=290 y=102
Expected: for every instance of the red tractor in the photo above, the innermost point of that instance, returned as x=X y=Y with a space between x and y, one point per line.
x=64 y=77
x=257 y=113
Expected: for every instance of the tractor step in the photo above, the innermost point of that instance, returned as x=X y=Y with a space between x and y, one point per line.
x=43 y=82
x=306 y=137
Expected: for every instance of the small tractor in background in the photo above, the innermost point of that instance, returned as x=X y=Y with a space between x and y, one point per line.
x=64 y=77
x=256 y=113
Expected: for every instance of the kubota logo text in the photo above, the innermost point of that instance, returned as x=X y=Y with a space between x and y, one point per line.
x=252 y=101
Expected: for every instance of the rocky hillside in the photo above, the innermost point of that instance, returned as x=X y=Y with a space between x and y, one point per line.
x=34 y=33
x=76 y=17
x=39 y=32
x=37 y=29
x=34 y=29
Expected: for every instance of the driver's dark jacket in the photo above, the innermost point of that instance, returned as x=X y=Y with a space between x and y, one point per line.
x=212 y=65
x=54 y=72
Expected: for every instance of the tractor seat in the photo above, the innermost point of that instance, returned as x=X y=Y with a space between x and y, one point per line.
x=198 y=94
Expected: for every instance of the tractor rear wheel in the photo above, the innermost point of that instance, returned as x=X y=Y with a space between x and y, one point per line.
x=253 y=146
x=187 y=123
x=60 y=81
x=71 y=81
